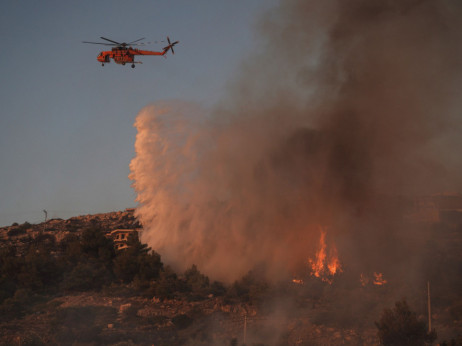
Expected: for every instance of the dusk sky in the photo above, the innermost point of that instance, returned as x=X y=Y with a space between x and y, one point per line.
x=66 y=134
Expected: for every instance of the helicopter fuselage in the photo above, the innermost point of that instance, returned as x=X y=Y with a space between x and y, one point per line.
x=123 y=55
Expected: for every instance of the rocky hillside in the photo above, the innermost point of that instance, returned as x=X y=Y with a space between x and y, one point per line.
x=59 y=228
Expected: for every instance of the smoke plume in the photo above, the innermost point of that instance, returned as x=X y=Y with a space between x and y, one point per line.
x=344 y=107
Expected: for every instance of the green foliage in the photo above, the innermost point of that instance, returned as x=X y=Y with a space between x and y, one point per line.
x=217 y=289
x=252 y=288
x=96 y=245
x=88 y=261
x=197 y=283
x=10 y=265
x=70 y=250
x=167 y=285
x=137 y=262
x=18 y=229
x=87 y=275
x=400 y=326
x=19 y=304
x=40 y=269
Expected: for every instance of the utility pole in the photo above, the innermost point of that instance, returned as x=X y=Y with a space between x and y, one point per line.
x=429 y=308
x=245 y=327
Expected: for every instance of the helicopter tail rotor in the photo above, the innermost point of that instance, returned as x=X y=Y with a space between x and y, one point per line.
x=170 y=46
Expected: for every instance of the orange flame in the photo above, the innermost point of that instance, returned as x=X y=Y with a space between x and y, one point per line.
x=379 y=280
x=323 y=267
x=297 y=281
x=317 y=265
x=334 y=263
x=363 y=279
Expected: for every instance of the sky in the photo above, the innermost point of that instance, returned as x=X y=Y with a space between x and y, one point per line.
x=66 y=122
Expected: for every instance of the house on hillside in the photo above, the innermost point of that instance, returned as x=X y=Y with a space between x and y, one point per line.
x=120 y=237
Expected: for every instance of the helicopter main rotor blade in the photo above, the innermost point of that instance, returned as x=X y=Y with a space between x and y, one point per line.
x=104 y=44
x=104 y=38
x=137 y=40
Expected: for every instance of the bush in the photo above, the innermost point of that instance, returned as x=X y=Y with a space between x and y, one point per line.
x=252 y=288
x=87 y=275
x=137 y=262
x=168 y=285
x=95 y=244
x=400 y=326
x=40 y=269
x=197 y=283
x=19 y=304
x=18 y=229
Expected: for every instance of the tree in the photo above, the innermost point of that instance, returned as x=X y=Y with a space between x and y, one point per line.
x=251 y=288
x=87 y=260
x=197 y=282
x=95 y=244
x=137 y=261
x=400 y=326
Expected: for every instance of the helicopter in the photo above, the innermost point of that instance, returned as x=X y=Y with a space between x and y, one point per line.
x=123 y=53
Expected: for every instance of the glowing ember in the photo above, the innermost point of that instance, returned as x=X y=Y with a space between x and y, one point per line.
x=297 y=281
x=363 y=279
x=322 y=266
x=379 y=280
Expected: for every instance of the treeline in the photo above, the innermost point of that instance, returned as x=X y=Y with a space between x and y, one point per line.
x=89 y=262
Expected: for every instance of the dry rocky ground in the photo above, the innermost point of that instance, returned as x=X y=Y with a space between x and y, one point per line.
x=138 y=321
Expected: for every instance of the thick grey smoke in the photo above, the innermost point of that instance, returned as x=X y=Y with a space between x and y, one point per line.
x=346 y=106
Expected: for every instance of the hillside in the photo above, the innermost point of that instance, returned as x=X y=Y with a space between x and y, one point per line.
x=63 y=283
x=59 y=228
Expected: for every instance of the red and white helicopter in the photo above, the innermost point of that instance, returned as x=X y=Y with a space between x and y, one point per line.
x=123 y=53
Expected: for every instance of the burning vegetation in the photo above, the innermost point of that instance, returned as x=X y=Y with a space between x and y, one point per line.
x=325 y=266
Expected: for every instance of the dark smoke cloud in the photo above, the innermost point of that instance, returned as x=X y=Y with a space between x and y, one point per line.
x=346 y=106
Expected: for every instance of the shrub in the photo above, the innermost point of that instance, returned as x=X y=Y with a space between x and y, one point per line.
x=400 y=326
x=252 y=288
x=19 y=304
x=197 y=283
x=87 y=275
x=95 y=244
x=168 y=285
x=137 y=262
x=40 y=269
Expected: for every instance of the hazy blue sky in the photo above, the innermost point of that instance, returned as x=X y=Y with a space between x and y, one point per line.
x=66 y=134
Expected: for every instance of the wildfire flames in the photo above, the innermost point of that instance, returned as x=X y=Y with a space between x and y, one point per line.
x=323 y=266
x=378 y=279
x=297 y=281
